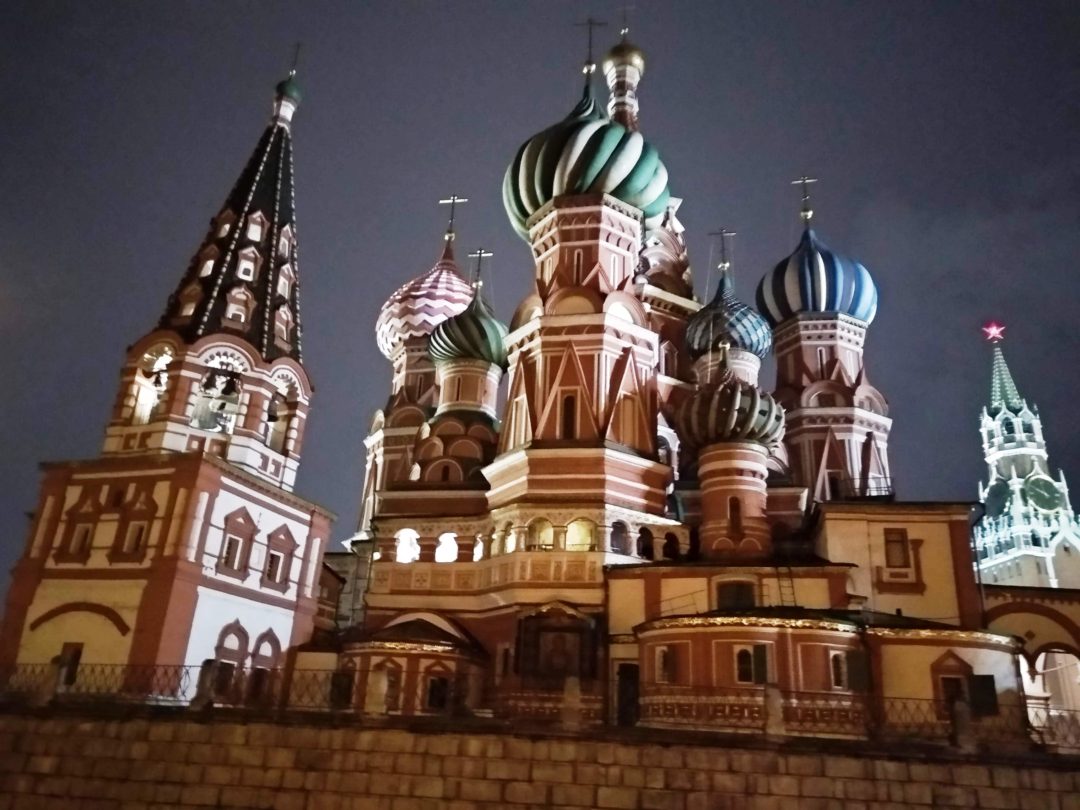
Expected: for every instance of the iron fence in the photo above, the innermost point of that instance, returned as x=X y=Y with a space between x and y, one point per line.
x=347 y=694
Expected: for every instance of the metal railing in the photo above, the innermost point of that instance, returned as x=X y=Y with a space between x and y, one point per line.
x=355 y=696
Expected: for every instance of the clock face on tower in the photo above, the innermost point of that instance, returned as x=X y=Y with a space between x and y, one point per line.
x=997 y=498
x=1042 y=492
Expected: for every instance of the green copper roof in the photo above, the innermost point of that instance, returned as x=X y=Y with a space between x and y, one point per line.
x=585 y=153
x=290 y=89
x=1003 y=393
x=475 y=334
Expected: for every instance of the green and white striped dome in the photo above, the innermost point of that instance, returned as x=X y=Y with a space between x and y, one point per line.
x=475 y=334
x=585 y=153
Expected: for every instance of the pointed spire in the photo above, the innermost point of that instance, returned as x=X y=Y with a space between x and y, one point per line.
x=1003 y=393
x=244 y=278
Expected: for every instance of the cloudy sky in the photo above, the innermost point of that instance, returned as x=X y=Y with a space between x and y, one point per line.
x=944 y=135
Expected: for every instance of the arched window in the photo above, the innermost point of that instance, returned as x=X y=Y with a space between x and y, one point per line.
x=620 y=538
x=744 y=666
x=541 y=535
x=581 y=535
x=735 y=515
x=407 y=548
x=577 y=266
x=569 y=417
x=219 y=399
x=645 y=544
x=447 y=548
x=671 y=547
x=478 y=549
x=150 y=383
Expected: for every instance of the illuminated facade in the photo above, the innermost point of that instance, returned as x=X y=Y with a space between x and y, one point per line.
x=183 y=541
x=1028 y=536
x=641 y=533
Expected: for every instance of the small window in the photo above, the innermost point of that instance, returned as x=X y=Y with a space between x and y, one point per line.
x=187 y=309
x=207 y=268
x=274 y=566
x=897 y=551
x=569 y=417
x=80 y=539
x=577 y=266
x=223 y=230
x=283 y=287
x=245 y=269
x=236 y=312
x=438 y=693
x=230 y=555
x=255 y=229
x=984 y=699
x=665 y=665
x=135 y=541
x=735 y=596
x=838 y=670
x=752 y=664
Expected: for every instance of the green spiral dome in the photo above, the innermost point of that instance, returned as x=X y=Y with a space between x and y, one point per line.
x=585 y=153
x=729 y=410
x=475 y=334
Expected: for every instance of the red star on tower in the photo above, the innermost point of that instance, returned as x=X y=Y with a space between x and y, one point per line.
x=995 y=332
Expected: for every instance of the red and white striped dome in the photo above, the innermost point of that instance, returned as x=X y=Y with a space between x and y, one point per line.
x=418 y=306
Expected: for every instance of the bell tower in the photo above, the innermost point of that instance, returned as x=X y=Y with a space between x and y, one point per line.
x=183 y=541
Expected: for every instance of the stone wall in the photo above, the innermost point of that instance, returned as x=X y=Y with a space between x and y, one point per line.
x=91 y=763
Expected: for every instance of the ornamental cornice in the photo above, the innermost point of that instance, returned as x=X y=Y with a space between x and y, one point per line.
x=936 y=634
x=695 y=622
x=405 y=646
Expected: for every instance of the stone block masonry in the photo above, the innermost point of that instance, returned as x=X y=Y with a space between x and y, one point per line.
x=62 y=761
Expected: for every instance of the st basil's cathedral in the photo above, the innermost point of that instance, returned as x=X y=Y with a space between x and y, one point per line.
x=594 y=513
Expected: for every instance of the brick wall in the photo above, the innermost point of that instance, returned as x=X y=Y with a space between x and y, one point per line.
x=85 y=763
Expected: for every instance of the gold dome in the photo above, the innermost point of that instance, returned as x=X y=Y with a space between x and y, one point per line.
x=625 y=53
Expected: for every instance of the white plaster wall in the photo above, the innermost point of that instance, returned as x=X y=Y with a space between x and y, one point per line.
x=267 y=520
x=215 y=609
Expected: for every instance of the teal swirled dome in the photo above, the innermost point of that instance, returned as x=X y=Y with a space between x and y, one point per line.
x=729 y=410
x=727 y=320
x=585 y=153
x=475 y=334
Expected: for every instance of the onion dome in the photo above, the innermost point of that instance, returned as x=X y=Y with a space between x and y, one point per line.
x=624 y=53
x=585 y=153
x=418 y=306
x=475 y=334
x=288 y=88
x=727 y=320
x=729 y=410
x=815 y=279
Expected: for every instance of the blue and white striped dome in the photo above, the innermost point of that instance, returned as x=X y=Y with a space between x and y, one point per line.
x=728 y=320
x=815 y=279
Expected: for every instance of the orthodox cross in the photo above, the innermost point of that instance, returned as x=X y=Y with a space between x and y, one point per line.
x=807 y=211
x=723 y=233
x=452 y=201
x=624 y=13
x=589 y=25
x=479 y=254
x=995 y=332
x=295 y=59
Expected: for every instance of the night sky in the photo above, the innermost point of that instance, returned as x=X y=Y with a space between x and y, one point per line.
x=944 y=134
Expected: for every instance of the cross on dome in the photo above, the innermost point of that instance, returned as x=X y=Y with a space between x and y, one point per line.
x=479 y=254
x=807 y=212
x=590 y=66
x=452 y=201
